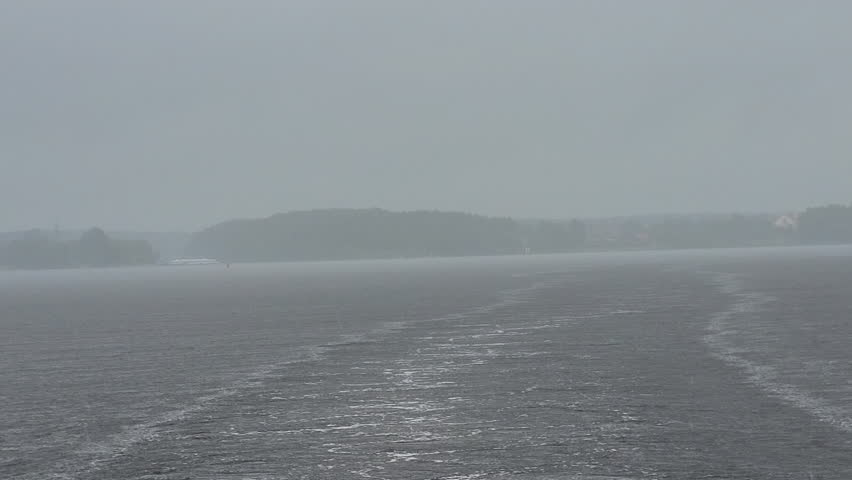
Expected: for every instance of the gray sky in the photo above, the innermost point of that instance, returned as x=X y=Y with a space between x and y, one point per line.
x=179 y=114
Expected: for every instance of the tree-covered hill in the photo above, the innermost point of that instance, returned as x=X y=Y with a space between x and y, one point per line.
x=353 y=234
x=36 y=249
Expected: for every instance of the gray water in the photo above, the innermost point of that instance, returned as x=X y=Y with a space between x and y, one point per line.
x=701 y=364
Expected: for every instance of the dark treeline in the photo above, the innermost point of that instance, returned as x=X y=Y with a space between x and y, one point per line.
x=830 y=224
x=376 y=233
x=826 y=225
x=352 y=234
x=38 y=249
x=547 y=236
x=691 y=231
x=716 y=232
x=818 y=225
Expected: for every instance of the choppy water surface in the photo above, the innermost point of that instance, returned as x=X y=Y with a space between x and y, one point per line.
x=725 y=364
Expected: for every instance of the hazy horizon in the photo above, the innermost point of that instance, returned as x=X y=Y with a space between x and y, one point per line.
x=188 y=230
x=164 y=116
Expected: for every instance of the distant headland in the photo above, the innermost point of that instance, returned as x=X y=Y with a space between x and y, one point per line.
x=342 y=234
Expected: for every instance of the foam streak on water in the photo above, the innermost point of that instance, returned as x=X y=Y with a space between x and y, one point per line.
x=575 y=373
x=725 y=325
x=92 y=456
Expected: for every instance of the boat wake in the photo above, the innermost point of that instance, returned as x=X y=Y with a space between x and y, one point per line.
x=727 y=325
x=94 y=457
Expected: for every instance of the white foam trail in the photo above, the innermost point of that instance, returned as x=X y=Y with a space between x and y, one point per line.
x=766 y=377
x=91 y=457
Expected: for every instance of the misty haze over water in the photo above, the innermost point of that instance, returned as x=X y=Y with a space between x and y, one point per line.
x=450 y=240
x=176 y=116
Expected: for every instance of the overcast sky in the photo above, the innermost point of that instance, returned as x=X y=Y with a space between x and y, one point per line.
x=164 y=115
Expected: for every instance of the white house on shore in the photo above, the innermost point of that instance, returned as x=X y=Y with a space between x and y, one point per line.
x=788 y=221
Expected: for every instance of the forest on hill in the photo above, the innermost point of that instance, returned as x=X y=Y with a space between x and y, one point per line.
x=35 y=249
x=354 y=234
x=338 y=234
